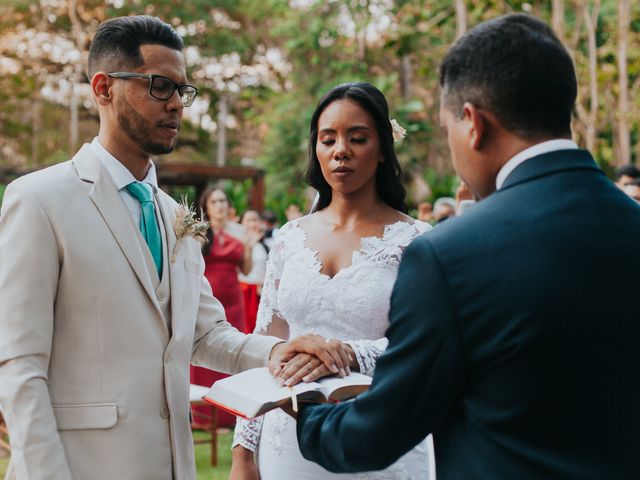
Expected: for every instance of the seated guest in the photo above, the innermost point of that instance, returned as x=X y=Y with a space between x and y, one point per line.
x=633 y=189
x=270 y=220
x=444 y=208
x=625 y=175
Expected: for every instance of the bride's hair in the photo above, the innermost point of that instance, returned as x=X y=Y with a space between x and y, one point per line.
x=389 y=172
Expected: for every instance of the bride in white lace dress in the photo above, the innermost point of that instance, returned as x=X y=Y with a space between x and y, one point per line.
x=331 y=273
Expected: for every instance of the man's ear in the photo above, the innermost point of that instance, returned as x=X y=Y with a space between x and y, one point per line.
x=477 y=125
x=101 y=88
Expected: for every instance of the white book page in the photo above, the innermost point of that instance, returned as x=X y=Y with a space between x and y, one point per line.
x=248 y=391
x=330 y=384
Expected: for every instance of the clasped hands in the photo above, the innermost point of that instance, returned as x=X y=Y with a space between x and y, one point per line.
x=310 y=357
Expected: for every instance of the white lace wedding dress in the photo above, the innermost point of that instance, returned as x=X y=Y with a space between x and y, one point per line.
x=352 y=306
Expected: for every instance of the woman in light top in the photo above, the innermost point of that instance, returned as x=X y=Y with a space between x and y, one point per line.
x=251 y=283
x=331 y=272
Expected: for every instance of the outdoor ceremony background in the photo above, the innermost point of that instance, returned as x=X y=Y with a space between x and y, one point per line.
x=261 y=66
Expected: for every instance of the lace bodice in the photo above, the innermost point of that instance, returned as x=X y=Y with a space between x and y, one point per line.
x=351 y=306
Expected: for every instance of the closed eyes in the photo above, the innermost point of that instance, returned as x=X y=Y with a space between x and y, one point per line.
x=331 y=141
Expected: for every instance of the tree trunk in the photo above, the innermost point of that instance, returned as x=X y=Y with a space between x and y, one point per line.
x=557 y=18
x=536 y=8
x=406 y=74
x=461 y=18
x=591 y=24
x=36 y=126
x=77 y=71
x=223 y=111
x=624 y=141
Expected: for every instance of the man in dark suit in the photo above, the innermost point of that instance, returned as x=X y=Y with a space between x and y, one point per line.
x=507 y=338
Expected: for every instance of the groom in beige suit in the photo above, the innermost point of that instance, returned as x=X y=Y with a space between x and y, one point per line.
x=98 y=323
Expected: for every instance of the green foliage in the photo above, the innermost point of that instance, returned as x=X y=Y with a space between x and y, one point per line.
x=441 y=185
x=238 y=195
x=203 y=457
x=2 y=189
x=180 y=192
x=325 y=44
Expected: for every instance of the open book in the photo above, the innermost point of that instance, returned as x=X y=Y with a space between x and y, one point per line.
x=254 y=392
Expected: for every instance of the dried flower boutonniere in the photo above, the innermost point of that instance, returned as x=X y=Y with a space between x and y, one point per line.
x=187 y=224
x=397 y=130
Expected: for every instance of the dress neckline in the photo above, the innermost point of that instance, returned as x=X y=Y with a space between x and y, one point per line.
x=355 y=254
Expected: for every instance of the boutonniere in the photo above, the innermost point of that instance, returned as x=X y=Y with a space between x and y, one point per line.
x=187 y=224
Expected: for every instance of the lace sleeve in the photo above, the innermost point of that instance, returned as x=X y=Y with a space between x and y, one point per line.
x=269 y=322
x=247 y=433
x=367 y=353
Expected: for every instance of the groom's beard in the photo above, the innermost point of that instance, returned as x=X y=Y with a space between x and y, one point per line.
x=137 y=129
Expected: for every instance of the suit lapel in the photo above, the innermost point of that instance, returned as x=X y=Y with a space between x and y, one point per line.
x=105 y=197
x=176 y=275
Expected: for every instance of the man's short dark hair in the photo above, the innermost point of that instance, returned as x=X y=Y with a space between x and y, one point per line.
x=515 y=67
x=116 y=44
x=628 y=171
x=269 y=217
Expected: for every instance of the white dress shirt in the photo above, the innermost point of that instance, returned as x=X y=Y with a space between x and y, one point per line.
x=122 y=177
x=534 y=151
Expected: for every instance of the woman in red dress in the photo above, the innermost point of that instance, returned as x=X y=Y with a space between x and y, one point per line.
x=224 y=254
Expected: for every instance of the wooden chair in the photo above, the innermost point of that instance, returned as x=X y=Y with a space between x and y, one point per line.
x=196 y=392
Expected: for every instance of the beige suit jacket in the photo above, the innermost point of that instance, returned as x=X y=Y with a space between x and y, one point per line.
x=93 y=383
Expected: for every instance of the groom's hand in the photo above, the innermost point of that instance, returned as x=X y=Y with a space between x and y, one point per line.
x=333 y=354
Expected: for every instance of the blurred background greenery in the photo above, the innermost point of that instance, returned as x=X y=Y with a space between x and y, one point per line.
x=261 y=66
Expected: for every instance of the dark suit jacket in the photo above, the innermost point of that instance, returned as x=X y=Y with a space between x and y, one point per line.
x=514 y=338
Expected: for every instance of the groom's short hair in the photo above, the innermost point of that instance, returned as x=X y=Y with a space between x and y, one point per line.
x=116 y=44
x=515 y=67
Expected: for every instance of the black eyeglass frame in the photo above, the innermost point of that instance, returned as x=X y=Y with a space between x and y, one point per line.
x=152 y=77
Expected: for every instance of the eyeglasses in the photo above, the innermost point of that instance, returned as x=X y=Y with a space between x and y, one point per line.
x=162 y=87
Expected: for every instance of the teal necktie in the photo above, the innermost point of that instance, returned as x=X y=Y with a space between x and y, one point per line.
x=148 y=222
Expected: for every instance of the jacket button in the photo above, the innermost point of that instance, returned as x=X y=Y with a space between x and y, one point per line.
x=164 y=412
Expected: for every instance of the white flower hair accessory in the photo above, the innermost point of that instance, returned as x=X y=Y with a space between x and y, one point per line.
x=188 y=225
x=397 y=130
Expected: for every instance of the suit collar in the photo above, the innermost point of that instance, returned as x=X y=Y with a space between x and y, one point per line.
x=548 y=163
x=87 y=164
x=119 y=173
x=531 y=152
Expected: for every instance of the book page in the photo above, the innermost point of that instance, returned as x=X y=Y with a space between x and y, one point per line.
x=337 y=389
x=252 y=392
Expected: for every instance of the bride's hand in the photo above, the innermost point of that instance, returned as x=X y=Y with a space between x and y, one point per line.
x=243 y=466
x=335 y=355
x=307 y=368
